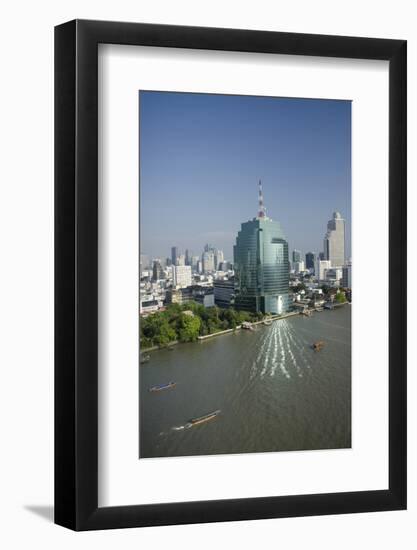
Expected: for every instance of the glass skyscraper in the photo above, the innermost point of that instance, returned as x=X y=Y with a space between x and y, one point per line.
x=261 y=265
x=174 y=255
x=310 y=260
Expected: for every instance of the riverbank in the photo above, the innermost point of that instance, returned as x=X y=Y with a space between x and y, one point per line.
x=272 y=318
x=155 y=348
x=262 y=322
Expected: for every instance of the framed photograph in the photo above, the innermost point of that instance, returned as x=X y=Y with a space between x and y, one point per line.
x=230 y=253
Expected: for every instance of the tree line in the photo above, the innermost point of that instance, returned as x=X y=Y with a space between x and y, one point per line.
x=186 y=322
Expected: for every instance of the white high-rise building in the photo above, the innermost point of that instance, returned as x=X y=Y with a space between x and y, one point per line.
x=299 y=266
x=181 y=259
x=218 y=258
x=208 y=261
x=181 y=276
x=334 y=241
x=321 y=267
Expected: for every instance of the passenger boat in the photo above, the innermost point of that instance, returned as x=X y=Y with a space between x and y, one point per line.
x=317 y=346
x=202 y=419
x=161 y=387
x=144 y=359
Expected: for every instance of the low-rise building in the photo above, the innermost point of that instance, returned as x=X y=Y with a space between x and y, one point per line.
x=149 y=306
x=204 y=296
x=334 y=275
x=224 y=290
x=196 y=293
x=178 y=295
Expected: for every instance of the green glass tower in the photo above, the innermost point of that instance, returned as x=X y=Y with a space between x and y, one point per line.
x=261 y=265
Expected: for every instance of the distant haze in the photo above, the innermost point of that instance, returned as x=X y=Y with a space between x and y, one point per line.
x=201 y=157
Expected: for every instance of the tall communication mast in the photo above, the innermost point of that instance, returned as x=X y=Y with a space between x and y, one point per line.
x=262 y=211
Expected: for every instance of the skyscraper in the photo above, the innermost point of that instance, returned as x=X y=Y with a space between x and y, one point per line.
x=174 y=255
x=261 y=265
x=181 y=276
x=157 y=271
x=143 y=263
x=218 y=258
x=188 y=255
x=296 y=256
x=334 y=241
x=208 y=261
x=310 y=260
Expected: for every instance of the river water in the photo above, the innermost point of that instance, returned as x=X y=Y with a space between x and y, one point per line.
x=274 y=392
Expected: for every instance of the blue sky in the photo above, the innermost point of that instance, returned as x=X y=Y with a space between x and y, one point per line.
x=201 y=156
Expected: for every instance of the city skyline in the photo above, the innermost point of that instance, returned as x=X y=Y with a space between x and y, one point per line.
x=182 y=252
x=214 y=147
x=202 y=248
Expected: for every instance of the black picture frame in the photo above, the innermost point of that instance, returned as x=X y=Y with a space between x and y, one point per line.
x=76 y=272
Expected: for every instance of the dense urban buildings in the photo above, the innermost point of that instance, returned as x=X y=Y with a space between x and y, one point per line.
x=334 y=241
x=259 y=280
x=261 y=265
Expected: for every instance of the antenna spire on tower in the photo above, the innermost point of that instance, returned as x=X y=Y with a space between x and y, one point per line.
x=261 y=212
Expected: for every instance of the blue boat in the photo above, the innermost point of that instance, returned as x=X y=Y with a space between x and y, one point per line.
x=161 y=387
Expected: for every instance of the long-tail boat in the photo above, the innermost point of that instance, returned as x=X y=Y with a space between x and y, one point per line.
x=161 y=387
x=202 y=419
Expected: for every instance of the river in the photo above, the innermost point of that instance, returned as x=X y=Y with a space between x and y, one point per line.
x=274 y=392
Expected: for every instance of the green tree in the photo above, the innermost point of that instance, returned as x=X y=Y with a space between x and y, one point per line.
x=189 y=328
x=340 y=297
x=165 y=335
x=145 y=342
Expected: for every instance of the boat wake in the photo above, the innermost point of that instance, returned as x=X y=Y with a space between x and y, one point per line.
x=280 y=352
